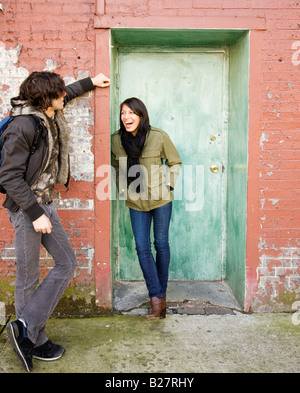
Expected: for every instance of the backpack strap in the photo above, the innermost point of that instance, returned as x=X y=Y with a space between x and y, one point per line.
x=39 y=127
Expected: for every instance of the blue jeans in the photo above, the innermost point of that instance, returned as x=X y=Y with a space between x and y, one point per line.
x=156 y=273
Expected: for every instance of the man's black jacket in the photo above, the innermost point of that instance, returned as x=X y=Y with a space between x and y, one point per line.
x=20 y=169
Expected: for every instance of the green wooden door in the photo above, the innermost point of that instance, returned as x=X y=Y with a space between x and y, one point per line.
x=186 y=96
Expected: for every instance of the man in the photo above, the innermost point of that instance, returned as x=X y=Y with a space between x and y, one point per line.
x=29 y=179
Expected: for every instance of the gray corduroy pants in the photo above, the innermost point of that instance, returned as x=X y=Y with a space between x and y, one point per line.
x=34 y=302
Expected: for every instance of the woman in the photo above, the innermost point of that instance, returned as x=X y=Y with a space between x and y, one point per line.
x=138 y=151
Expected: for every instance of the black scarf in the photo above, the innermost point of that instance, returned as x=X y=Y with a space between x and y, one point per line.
x=133 y=146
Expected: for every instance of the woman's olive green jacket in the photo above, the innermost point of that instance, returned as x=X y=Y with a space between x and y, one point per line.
x=158 y=180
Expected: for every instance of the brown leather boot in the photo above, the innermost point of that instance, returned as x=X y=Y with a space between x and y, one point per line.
x=158 y=308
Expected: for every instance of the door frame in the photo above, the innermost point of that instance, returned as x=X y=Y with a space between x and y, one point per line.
x=237 y=42
x=224 y=52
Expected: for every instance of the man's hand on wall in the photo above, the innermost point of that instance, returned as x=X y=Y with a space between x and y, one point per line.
x=101 y=80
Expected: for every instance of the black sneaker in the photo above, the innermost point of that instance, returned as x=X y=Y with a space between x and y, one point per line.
x=22 y=346
x=48 y=351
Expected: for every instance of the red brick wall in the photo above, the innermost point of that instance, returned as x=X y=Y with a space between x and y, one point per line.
x=58 y=35
x=64 y=33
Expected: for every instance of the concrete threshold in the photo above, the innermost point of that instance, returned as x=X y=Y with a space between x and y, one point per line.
x=183 y=297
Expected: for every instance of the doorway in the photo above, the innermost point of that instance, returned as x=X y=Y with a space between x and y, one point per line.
x=186 y=78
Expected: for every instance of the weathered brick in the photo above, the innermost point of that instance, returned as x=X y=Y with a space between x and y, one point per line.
x=233 y=4
x=217 y=4
x=177 y=4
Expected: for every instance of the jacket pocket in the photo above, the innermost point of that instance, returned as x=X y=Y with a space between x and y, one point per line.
x=151 y=157
x=151 y=160
x=10 y=204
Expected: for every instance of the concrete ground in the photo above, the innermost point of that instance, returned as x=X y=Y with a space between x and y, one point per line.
x=205 y=331
x=230 y=343
x=184 y=297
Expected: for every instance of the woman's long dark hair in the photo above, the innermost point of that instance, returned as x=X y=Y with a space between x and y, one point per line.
x=139 y=108
x=134 y=145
